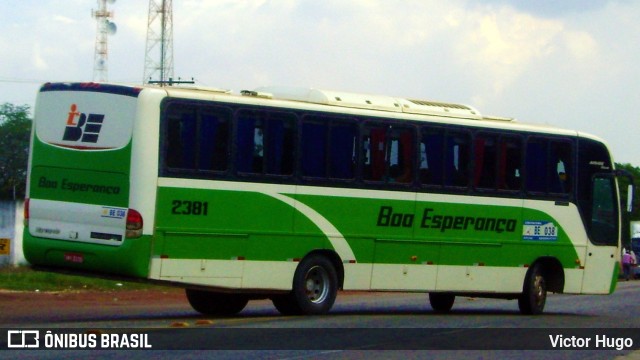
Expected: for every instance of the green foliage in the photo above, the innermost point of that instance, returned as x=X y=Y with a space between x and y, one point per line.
x=623 y=182
x=15 y=129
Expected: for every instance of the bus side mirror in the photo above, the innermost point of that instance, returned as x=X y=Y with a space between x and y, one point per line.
x=630 y=189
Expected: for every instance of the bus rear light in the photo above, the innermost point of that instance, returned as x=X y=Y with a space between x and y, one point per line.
x=26 y=212
x=134 y=224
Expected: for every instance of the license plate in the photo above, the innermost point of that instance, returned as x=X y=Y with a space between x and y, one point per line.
x=74 y=258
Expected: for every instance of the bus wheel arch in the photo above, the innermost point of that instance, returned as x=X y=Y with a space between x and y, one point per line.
x=544 y=275
x=335 y=260
x=314 y=288
x=553 y=273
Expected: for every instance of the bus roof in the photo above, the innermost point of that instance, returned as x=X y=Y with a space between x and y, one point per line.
x=352 y=103
x=425 y=110
x=371 y=102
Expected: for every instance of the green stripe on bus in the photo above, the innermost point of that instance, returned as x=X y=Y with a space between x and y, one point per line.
x=259 y=227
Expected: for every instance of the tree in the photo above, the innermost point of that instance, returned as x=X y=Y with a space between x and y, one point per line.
x=624 y=183
x=15 y=129
x=635 y=214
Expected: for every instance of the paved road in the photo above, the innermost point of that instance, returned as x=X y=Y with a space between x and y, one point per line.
x=358 y=322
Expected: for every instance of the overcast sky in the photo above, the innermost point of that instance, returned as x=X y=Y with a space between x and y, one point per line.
x=570 y=63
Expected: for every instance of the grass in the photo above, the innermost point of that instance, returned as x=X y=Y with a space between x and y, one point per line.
x=25 y=278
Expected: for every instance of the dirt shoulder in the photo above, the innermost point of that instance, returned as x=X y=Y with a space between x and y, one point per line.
x=23 y=307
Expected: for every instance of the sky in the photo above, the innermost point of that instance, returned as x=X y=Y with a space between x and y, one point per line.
x=571 y=63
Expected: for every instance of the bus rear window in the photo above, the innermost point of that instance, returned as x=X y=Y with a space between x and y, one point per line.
x=83 y=120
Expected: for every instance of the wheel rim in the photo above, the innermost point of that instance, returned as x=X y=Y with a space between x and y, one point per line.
x=539 y=290
x=317 y=284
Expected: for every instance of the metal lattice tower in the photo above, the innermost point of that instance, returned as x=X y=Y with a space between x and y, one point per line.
x=104 y=28
x=158 y=63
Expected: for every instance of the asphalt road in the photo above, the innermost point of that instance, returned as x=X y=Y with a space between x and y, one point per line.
x=371 y=325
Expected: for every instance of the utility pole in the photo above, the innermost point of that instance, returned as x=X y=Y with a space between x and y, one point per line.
x=158 y=63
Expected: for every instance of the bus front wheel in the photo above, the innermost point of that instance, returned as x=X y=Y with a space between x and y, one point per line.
x=315 y=286
x=441 y=302
x=534 y=292
x=211 y=303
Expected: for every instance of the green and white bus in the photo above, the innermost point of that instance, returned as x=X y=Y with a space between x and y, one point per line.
x=293 y=194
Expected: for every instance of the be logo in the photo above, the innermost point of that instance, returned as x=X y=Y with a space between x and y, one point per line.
x=82 y=127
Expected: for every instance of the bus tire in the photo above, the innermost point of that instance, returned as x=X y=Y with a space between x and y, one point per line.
x=211 y=303
x=315 y=286
x=286 y=305
x=441 y=302
x=534 y=292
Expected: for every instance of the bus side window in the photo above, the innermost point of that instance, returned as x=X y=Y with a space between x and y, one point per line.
x=264 y=143
x=248 y=145
x=279 y=145
x=388 y=154
x=213 y=140
x=562 y=169
x=313 y=145
x=485 y=161
x=328 y=147
x=400 y=155
x=510 y=164
x=431 y=148
x=173 y=145
x=536 y=164
x=342 y=150
x=373 y=143
x=457 y=155
x=181 y=138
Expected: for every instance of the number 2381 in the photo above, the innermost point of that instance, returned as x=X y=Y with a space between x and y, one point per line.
x=188 y=207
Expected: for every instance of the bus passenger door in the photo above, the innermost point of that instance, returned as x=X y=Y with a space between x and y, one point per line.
x=604 y=234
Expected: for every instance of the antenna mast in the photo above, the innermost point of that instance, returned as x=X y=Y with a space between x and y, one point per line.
x=159 y=69
x=104 y=28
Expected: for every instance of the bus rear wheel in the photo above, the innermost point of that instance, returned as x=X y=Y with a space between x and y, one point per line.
x=315 y=286
x=534 y=292
x=212 y=303
x=441 y=302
